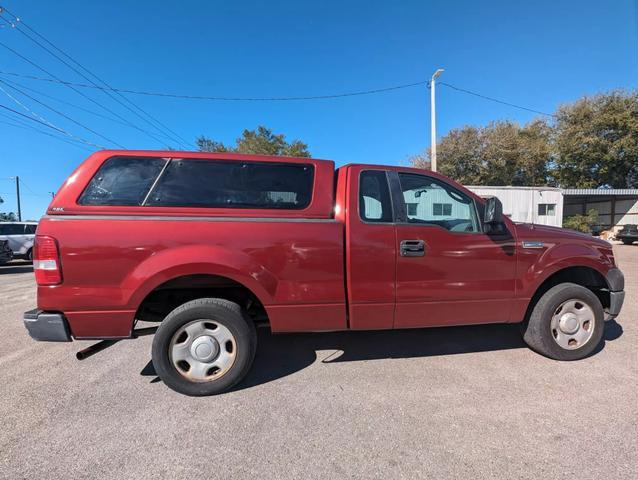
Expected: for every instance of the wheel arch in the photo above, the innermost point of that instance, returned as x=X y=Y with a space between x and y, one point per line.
x=583 y=275
x=176 y=291
x=205 y=268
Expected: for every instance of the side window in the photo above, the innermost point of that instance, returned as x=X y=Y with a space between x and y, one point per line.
x=546 y=209
x=437 y=203
x=122 y=181
x=30 y=229
x=12 y=229
x=374 y=197
x=234 y=184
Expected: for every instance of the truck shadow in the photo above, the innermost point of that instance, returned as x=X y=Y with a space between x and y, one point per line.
x=281 y=355
x=16 y=267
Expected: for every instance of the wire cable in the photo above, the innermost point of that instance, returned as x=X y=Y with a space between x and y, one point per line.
x=491 y=99
x=53 y=76
x=44 y=120
x=51 y=126
x=25 y=127
x=220 y=98
x=269 y=99
x=69 y=104
x=153 y=121
x=58 y=112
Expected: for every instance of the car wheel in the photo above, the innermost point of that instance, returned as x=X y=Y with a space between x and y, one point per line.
x=627 y=241
x=30 y=255
x=566 y=323
x=204 y=347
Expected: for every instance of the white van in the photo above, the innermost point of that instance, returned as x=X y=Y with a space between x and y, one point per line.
x=20 y=236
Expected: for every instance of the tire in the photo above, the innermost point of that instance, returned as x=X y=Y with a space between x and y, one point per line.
x=187 y=331
x=627 y=241
x=29 y=255
x=563 y=308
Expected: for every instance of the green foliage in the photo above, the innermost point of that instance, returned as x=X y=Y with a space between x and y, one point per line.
x=597 y=141
x=501 y=153
x=592 y=143
x=582 y=223
x=261 y=141
x=8 y=217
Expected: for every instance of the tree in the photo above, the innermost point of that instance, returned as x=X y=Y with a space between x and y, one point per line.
x=582 y=223
x=597 y=141
x=592 y=143
x=7 y=217
x=501 y=153
x=261 y=141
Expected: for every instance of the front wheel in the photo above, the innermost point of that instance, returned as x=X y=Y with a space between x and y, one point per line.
x=204 y=347
x=566 y=324
x=627 y=241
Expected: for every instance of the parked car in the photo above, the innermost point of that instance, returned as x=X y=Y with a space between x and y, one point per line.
x=20 y=236
x=5 y=252
x=211 y=244
x=628 y=234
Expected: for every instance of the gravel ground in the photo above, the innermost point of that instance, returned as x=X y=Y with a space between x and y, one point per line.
x=470 y=402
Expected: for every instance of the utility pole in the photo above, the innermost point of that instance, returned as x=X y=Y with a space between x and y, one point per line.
x=18 y=196
x=433 y=119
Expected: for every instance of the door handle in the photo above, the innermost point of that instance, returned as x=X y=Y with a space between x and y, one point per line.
x=412 y=248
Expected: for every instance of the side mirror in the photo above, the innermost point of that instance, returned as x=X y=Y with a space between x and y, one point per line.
x=493 y=211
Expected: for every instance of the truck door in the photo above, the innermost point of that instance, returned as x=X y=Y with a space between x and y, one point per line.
x=449 y=272
x=370 y=248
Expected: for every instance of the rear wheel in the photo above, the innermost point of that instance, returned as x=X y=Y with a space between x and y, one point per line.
x=566 y=324
x=204 y=347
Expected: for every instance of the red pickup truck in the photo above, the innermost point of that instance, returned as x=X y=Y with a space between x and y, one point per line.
x=209 y=245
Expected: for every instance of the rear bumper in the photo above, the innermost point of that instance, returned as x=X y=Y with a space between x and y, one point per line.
x=47 y=326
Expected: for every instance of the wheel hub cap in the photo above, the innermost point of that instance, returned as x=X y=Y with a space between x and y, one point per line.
x=569 y=323
x=204 y=348
x=572 y=324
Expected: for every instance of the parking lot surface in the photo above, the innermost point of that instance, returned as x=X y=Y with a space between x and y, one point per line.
x=470 y=402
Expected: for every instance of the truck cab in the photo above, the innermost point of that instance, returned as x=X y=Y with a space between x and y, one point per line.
x=210 y=245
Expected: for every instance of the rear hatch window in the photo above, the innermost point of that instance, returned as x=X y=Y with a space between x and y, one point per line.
x=137 y=181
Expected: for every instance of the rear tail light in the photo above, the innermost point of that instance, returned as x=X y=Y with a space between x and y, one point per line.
x=46 y=261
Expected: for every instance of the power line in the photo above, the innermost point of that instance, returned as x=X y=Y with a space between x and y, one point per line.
x=58 y=112
x=491 y=99
x=64 y=102
x=51 y=126
x=25 y=127
x=53 y=76
x=267 y=99
x=33 y=192
x=219 y=98
x=153 y=121
x=40 y=117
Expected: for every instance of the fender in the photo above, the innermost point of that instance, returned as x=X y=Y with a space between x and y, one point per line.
x=559 y=257
x=198 y=259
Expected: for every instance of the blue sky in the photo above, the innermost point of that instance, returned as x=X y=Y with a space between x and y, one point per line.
x=538 y=54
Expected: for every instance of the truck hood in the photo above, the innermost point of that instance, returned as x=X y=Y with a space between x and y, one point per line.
x=541 y=232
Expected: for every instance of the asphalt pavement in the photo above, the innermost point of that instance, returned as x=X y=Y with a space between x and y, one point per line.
x=470 y=402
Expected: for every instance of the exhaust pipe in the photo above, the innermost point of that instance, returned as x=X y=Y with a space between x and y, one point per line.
x=95 y=348
x=99 y=346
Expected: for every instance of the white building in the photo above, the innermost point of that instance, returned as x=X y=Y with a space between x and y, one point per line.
x=540 y=205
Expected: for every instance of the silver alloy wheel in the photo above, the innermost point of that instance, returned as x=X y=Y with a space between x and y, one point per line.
x=202 y=350
x=572 y=324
